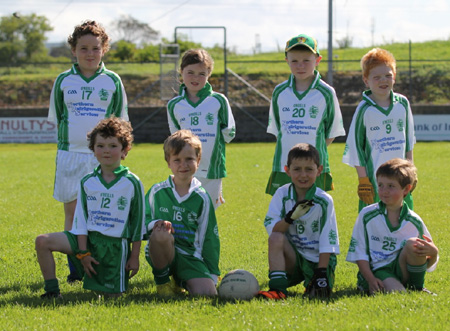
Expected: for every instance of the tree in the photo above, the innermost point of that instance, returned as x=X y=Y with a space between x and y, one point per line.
x=345 y=42
x=23 y=37
x=123 y=50
x=131 y=30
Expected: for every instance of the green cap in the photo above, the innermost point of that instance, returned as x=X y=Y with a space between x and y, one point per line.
x=303 y=40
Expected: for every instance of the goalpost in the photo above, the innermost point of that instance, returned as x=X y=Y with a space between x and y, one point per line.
x=169 y=55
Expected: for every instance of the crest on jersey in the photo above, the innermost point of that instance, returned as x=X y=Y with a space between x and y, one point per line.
x=313 y=111
x=122 y=203
x=103 y=94
x=209 y=119
x=192 y=217
x=400 y=125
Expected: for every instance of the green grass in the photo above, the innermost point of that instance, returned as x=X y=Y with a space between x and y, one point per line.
x=27 y=209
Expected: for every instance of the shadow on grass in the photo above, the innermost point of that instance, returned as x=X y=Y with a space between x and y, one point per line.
x=139 y=292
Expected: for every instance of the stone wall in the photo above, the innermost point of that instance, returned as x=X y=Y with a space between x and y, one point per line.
x=150 y=124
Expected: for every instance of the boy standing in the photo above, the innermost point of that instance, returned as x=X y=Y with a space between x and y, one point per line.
x=181 y=223
x=303 y=109
x=303 y=236
x=208 y=115
x=382 y=127
x=390 y=243
x=109 y=217
x=80 y=98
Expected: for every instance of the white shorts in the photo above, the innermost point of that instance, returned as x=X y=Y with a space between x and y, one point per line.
x=71 y=167
x=214 y=189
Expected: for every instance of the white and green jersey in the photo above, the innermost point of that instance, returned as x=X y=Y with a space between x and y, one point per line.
x=313 y=233
x=113 y=209
x=308 y=117
x=193 y=219
x=211 y=120
x=77 y=104
x=376 y=241
x=378 y=135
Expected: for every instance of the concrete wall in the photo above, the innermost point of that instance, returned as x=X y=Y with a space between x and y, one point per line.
x=150 y=124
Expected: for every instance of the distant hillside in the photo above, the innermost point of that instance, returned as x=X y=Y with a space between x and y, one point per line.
x=429 y=83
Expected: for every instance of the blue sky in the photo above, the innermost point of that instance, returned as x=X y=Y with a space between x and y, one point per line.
x=248 y=22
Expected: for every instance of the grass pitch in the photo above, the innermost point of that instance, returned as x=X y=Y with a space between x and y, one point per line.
x=27 y=209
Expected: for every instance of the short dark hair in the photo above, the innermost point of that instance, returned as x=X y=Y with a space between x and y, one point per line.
x=303 y=151
x=402 y=170
x=112 y=127
x=176 y=142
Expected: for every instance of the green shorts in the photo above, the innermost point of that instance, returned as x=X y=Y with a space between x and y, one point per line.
x=304 y=270
x=184 y=267
x=278 y=179
x=391 y=270
x=112 y=253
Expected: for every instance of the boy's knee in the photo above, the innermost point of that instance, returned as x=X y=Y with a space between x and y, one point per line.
x=276 y=239
x=410 y=244
x=161 y=237
x=40 y=242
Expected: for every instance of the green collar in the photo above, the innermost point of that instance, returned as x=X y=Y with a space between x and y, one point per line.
x=120 y=171
x=309 y=194
x=206 y=91
x=367 y=98
x=313 y=85
x=403 y=213
x=76 y=71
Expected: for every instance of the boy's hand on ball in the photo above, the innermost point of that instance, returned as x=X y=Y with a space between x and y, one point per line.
x=300 y=209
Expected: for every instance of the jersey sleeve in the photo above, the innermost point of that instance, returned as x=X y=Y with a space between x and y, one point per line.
x=276 y=211
x=79 y=225
x=356 y=140
x=335 y=125
x=207 y=237
x=273 y=126
x=149 y=212
x=358 y=249
x=137 y=213
x=56 y=103
x=410 y=133
x=329 y=238
x=174 y=126
x=120 y=101
x=227 y=124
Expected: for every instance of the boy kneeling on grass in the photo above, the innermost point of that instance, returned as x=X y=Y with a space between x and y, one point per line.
x=109 y=216
x=390 y=243
x=183 y=239
x=302 y=228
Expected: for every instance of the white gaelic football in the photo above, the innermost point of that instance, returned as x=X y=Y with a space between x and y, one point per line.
x=239 y=285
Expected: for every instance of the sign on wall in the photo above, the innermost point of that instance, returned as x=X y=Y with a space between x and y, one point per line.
x=432 y=127
x=27 y=130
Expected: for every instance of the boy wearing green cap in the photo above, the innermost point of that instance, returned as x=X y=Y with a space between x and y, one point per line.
x=304 y=109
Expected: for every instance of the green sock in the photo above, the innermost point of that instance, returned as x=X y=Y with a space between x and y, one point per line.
x=161 y=276
x=416 y=275
x=51 y=285
x=278 y=281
